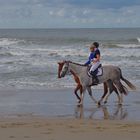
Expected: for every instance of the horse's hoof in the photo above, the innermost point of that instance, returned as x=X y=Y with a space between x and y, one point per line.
x=120 y=104
x=78 y=101
x=99 y=103
x=105 y=102
x=79 y=104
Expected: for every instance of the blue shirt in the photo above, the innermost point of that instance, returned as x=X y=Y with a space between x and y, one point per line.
x=97 y=52
x=91 y=56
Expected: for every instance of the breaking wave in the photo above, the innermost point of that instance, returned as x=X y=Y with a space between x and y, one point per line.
x=138 y=39
x=129 y=45
x=11 y=41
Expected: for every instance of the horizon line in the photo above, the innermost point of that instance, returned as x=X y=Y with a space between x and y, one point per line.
x=75 y=28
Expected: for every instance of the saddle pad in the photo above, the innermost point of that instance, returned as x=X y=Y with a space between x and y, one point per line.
x=100 y=72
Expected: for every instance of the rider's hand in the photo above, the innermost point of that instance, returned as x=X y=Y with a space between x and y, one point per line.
x=94 y=60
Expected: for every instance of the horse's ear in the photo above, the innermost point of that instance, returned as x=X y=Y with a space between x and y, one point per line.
x=61 y=63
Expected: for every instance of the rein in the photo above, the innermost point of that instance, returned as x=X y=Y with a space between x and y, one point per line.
x=76 y=63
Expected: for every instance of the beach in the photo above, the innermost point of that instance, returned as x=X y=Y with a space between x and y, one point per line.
x=76 y=129
x=51 y=48
x=36 y=105
x=53 y=114
x=62 y=103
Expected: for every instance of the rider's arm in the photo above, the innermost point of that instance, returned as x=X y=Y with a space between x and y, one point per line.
x=91 y=56
x=97 y=58
x=87 y=63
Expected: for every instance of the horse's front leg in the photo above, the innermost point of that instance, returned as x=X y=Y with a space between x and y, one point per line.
x=75 y=91
x=82 y=94
x=79 y=87
x=90 y=93
x=105 y=93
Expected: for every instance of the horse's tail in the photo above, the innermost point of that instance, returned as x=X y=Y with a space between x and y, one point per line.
x=125 y=91
x=126 y=81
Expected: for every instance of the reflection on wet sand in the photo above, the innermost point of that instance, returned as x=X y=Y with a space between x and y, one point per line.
x=102 y=112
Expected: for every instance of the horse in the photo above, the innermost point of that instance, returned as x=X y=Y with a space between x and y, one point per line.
x=77 y=80
x=110 y=72
x=107 y=85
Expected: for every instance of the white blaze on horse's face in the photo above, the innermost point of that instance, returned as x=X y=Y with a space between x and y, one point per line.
x=65 y=69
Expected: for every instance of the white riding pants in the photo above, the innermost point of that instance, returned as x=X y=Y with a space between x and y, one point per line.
x=95 y=66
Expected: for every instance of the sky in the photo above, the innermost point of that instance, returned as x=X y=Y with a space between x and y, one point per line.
x=69 y=13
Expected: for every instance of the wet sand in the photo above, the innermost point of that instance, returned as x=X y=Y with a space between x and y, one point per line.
x=67 y=129
x=54 y=115
x=62 y=103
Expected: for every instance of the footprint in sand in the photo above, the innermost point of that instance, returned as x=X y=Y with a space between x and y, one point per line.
x=49 y=131
x=3 y=126
x=26 y=137
x=46 y=133
x=12 y=137
x=99 y=128
x=132 y=131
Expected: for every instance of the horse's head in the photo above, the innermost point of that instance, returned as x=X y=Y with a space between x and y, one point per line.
x=63 y=69
x=60 y=67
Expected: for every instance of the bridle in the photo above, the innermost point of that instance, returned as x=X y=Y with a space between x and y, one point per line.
x=65 y=69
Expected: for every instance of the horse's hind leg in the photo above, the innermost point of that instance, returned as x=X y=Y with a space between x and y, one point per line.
x=121 y=89
x=111 y=89
x=105 y=92
x=90 y=93
x=116 y=91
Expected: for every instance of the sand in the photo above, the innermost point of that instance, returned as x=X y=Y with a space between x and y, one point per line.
x=67 y=129
x=53 y=115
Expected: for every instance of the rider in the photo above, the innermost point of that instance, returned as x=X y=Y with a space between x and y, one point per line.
x=94 y=60
x=91 y=56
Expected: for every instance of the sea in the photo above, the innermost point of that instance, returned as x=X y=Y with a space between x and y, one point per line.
x=29 y=57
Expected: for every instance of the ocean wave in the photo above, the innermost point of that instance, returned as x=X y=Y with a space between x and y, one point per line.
x=127 y=46
x=138 y=39
x=11 y=41
x=12 y=54
x=6 y=54
x=41 y=41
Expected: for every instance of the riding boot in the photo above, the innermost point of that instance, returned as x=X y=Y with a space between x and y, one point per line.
x=95 y=80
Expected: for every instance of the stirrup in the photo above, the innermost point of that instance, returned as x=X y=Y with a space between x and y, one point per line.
x=95 y=81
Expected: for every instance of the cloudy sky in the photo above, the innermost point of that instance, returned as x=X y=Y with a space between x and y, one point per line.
x=69 y=13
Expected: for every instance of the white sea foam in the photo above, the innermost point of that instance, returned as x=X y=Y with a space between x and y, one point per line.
x=138 y=39
x=128 y=45
x=9 y=41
